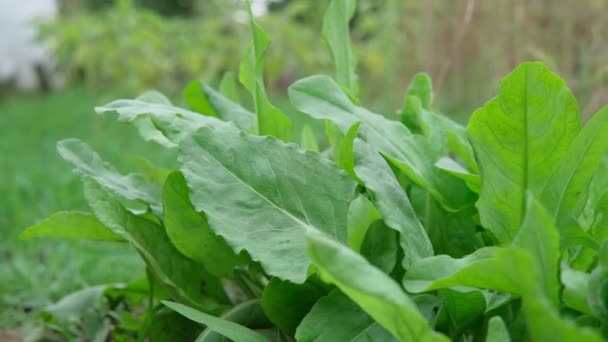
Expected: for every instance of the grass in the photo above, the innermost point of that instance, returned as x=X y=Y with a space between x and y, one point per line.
x=35 y=182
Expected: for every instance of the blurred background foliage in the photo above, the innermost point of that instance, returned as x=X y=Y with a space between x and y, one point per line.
x=106 y=49
x=466 y=45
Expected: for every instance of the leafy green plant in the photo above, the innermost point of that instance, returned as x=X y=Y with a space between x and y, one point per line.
x=411 y=230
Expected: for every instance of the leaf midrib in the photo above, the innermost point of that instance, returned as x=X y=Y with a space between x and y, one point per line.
x=307 y=225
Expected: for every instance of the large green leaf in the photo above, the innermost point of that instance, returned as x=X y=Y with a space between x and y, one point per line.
x=133 y=190
x=286 y=303
x=185 y=279
x=321 y=98
x=229 y=329
x=70 y=225
x=271 y=121
x=392 y=202
x=374 y=291
x=190 y=232
x=519 y=138
x=337 y=318
x=337 y=37
x=572 y=175
x=205 y=100
x=261 y=195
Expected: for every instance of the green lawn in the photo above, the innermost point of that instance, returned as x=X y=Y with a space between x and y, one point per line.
x=35 y=182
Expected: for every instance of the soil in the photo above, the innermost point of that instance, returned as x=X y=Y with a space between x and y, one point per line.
x=10 y=336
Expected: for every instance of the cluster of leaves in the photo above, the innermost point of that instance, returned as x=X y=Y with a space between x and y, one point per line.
x=411 y=230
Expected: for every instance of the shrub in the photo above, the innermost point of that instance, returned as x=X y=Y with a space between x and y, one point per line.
x=411 y=230
x=129 y=48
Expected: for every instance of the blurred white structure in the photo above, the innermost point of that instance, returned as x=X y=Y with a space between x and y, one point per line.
x=20 y=53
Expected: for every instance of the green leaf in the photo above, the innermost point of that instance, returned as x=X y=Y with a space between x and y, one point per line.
x=374 y=291
x=149 y=132
x=271 y=121
x=477 y=270
x=261 y=195
x=392 y=202
x=511 y=270
x=321 y=98
x=576 y=288
x=184 y=278
x=544 y=322
x=70 y=225
x=443 y=133
x=361 y=215
x=169 y=326
x=446 y=135
x=451 y=233
x=497 y=330
x=421 y=87
x=286 y=303
x=410 y=114
x=308 y=140
x=463 y=307
x=572 y=175
x=247 y=314
x=171 y=122
x=528 y=268
x=343 y=150
x=229 y=329
x=337 y=318
x=597 y=295
x=132 y=190
x=205 y=100
x=519 y=138
x=380 y=246
x=150 y=171
x=190 y=233
x=337 y=37
x=539 y=236
x=73 y=306
x=228 y=87
x=593 y=219
x=450 y=166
